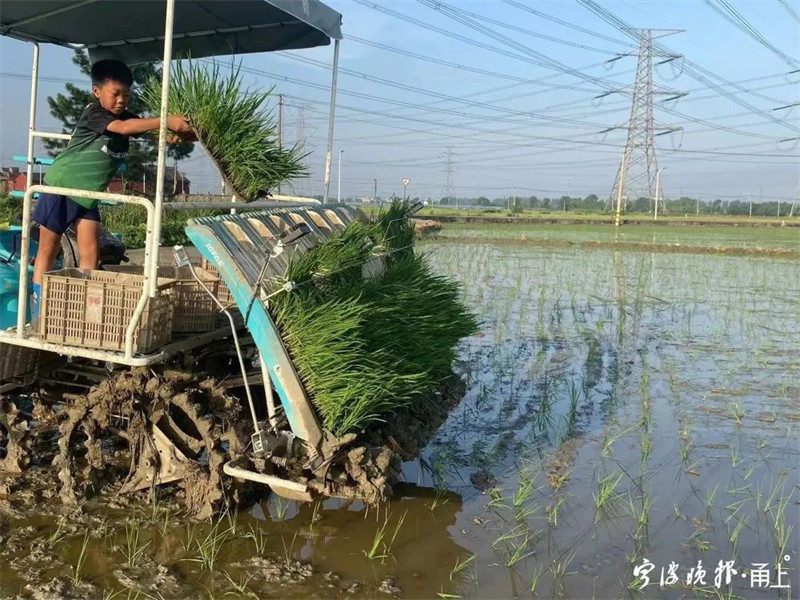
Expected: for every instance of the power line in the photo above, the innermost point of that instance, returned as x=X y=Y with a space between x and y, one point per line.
x=790 y=10
x=730 y=14
x=695 y=71
x=538 y=13
x=538 y=57
x=526 y=56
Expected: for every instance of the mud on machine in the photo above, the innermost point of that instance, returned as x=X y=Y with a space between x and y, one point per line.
x=163 y=395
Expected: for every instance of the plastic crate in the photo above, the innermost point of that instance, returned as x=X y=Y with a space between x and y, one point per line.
x=83 y=307
x=224 y=296
x=195 y=311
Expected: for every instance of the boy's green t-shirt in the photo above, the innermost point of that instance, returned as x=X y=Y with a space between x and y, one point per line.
x=92 y=156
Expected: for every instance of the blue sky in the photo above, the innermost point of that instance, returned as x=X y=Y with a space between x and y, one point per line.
x=528 y=121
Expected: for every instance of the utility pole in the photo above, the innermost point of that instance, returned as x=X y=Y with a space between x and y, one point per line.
x=750 y=202
x=375 y=190
x=795 y=201
x=339 y=182
x=658 y=192
x=638 y=166
x=280 y=129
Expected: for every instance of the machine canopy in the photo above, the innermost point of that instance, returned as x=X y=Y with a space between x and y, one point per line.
x=133 y=30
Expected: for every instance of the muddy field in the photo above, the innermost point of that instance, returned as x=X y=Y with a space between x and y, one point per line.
x=621 y=407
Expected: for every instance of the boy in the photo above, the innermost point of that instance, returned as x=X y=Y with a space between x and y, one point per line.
x=99 y=144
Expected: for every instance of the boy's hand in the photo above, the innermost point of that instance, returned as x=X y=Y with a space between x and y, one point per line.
x=178 y=124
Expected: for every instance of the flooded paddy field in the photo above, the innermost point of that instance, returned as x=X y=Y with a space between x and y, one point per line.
x=708 y=237
x=623 y=409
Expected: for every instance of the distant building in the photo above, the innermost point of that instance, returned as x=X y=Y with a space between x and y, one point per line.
x=175 y=183
x=12 y=179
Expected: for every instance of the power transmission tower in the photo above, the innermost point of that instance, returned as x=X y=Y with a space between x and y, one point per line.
x=638 y=167
x=449 y=172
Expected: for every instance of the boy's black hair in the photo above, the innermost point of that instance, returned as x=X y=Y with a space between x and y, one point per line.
x=111 y=70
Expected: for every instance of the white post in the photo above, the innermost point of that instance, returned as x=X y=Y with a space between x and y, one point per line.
x=339 y=185
x=330 y=121
x=151 y=270
x=658 y=191
x=22 y=296
x=280 y=129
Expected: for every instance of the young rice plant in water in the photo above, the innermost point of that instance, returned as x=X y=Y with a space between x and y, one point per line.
x=233 y=124
x=366 y=346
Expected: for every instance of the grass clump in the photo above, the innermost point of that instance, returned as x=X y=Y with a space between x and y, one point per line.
x=233 y=124
x=366 y=346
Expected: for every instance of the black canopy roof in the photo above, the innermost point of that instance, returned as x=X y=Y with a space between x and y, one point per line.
x=133 y=30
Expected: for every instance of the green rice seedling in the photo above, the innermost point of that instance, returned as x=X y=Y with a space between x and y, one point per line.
x=781 y=532
x=560 y=570
x=496 y=499
x=736 y=412
x=461 y=565
x=535 y=580
x=737 y=530
x=78 y=566
x=289 y=550
x=525 y=489
x=368 y=347
x=710 y=501
x=133 y=549
x=58 y=535
x=553 y=511
x=606 y=493
x=233 y=124
x=209 y=547
x=316 y=516
x=241 y=586
x=515 y=543
x=260 y=539
x=382 y=543
x=685 y=449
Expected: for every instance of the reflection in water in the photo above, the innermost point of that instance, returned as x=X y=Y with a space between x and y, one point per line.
x=419 y=546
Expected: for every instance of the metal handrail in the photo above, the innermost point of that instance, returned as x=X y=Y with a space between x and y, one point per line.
x=150 y=255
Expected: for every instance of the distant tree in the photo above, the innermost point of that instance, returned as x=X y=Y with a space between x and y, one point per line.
x=68 y=106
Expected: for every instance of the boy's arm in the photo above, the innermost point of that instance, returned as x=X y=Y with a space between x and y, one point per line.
x=136 y=126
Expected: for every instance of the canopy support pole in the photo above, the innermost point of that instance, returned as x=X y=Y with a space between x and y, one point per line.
x=154 y=243
x=329 y=153
x=25 y=238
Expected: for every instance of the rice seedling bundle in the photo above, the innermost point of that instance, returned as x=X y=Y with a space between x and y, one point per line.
x=233 y=124
x=367 y=346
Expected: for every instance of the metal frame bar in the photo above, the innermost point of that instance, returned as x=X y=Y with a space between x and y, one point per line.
x=8 y=336
x=148 y=286
x=154 y=213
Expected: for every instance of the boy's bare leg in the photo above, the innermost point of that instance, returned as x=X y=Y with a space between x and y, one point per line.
x=88 y=242
x=49 y=246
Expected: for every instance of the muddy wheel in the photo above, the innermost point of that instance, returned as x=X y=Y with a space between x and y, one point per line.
x=164 y=427
x=14 y=438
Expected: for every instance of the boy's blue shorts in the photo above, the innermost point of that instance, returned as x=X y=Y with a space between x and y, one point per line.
x=57 y=213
